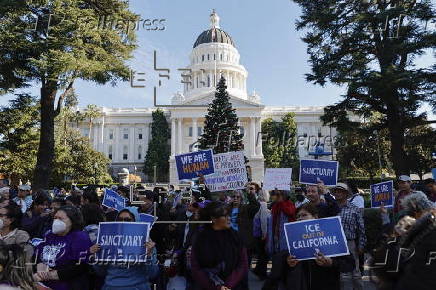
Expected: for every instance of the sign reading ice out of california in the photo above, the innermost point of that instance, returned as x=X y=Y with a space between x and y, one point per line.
x=311 y=171
x=382 y=193
x=307 y=238
x=190 y=165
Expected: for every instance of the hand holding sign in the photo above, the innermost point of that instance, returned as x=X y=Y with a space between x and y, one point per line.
x=292 y=262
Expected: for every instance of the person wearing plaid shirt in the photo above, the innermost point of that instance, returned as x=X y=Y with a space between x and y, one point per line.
x=354 y=229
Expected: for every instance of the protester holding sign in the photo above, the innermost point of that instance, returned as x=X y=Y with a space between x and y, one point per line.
x=325 y=203
x=218 y=259
x=282 y=211
x=352 y=222
x=61 y=257
x=129 y=275
x=320 y=273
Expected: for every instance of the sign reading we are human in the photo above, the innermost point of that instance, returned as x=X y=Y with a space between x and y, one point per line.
x=230 y=172
x=307 y=238
x=190 y=165
x=382 y=193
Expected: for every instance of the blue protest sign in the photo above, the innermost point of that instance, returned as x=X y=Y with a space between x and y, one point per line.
x=122 y=241
x=382 y=193
x=433 y=171
x=113 y=200
x=306 y=238
x=189 y=165
x=311 y=171
x=147 y=218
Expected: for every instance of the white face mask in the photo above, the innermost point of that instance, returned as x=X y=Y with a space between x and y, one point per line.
x=188 y=213
x=1 y=224
x=58 y=226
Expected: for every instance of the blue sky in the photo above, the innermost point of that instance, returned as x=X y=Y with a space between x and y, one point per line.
x=264 y=32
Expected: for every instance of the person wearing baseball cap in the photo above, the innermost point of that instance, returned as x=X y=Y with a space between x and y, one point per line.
x=404 y=189
x=354 y=229
x=23 y=198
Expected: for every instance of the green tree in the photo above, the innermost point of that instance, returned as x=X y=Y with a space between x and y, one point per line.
x=158 y=151
x=279 y=142
x=420 y=143
x=372 y=48
x=91 y=112
x=19 y=135
x=221 y=130
x=55 y=42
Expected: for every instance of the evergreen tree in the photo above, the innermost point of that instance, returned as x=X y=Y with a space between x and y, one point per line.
x=279 y=143
x=51 y=44
x=373 y=48
x=221 y=131
x=158 y=152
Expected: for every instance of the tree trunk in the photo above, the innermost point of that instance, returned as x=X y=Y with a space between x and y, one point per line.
x=46 y=141
x=396 y=134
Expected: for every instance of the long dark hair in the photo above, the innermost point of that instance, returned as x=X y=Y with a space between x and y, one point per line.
x=74 y=215
x=212 y=247
x=15 y=269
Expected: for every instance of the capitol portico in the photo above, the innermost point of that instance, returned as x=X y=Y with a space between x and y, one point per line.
x=123 y=134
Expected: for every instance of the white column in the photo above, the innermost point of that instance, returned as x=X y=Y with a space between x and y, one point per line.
x=253 y=136
x=258 y=138
x=117 y=143
x=146 y=136
x=102 y=137
x=173 y=136
x=180 y=138
x=132 y=138
x=194 y=130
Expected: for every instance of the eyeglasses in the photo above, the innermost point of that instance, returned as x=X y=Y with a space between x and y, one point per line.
x=125 y=219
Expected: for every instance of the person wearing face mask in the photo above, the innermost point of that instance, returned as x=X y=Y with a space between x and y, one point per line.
x=218 y=256
x=61 y=257
x=10 y=220
x=321 y=273
x=135 y=276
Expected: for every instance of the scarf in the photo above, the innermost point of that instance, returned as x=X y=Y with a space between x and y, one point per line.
x=287 y=208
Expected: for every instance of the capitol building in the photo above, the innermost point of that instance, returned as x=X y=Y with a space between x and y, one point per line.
x=123 y=134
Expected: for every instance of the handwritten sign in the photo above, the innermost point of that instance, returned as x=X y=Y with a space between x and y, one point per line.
x=306 y=238
x=382 y=193
x=122 y=241
x=189 y=165
x=113 y=200
x=230 y=172
x=279 y=178
x=313 y=170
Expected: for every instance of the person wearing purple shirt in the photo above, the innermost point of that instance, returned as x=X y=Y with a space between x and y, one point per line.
x=62 y=256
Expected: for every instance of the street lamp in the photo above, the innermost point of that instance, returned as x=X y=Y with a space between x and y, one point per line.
x=378 y=153
x=95 y=172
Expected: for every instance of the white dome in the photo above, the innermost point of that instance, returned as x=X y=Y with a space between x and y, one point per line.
x=178 y=98
x=125 y=170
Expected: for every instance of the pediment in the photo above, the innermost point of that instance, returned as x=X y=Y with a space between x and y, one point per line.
x=236 y=102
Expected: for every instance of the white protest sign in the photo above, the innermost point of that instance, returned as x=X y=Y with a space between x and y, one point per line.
x=230 y=172
x=279 y=178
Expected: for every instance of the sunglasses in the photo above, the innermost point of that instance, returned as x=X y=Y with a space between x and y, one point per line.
x=125 y=220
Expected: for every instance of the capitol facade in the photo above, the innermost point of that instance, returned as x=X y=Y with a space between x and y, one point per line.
x=123 y=134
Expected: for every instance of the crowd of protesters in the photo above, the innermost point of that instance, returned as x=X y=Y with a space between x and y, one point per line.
x=47 y=240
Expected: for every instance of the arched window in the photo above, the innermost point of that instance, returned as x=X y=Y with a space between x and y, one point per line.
x=109 y=152
x=125 y=152
x=139 y=152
